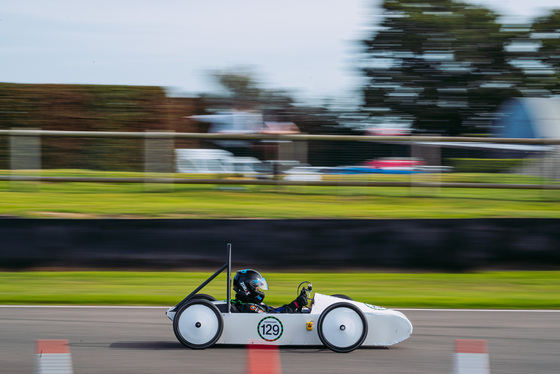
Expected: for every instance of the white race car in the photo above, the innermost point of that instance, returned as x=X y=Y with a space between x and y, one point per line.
x=338 y=322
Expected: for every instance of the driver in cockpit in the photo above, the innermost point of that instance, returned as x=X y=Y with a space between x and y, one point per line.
x=249 y=285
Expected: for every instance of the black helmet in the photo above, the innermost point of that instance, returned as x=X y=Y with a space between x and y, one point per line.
x=249 y=285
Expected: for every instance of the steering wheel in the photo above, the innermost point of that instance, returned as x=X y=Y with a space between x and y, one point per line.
x=305 y=287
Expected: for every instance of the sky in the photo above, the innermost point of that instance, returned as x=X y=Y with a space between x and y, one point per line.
x=308 y=47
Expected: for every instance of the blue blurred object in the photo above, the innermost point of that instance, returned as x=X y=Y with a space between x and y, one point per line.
x=368 y=170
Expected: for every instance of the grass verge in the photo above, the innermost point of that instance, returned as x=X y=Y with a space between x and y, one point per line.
x=500 y=289
x=97 y=200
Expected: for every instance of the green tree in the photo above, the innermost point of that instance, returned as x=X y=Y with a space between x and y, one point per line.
x=245 y=92
x=240 y=84
x=441 y=64
x=546 y=32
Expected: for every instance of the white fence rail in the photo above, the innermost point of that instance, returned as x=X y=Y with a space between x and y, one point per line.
x=160 y=157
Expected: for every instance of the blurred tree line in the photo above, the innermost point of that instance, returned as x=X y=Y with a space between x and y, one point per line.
x=446 y=66
x=441 y=66
x=244 y=92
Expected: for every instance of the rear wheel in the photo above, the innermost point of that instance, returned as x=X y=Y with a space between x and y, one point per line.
x=342 y=327
x=203 y=296
x=198 y=324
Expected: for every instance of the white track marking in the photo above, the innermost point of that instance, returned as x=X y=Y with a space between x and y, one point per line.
x=53 y=357
x=471 y=357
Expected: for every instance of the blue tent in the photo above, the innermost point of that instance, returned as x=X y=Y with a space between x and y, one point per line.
x=529 y=118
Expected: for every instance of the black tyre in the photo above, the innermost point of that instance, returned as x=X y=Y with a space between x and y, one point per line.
x=341 y=296
x=342 y=327
x=198 y=324
x=203 y=296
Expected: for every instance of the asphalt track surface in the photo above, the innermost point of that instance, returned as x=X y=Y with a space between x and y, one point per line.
x=141 y=340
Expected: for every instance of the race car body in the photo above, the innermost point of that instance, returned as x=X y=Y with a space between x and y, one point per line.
x=338 y=322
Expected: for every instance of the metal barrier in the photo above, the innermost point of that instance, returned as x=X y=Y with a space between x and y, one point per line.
x=25 y=159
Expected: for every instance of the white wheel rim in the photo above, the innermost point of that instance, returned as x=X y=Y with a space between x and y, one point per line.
x=342 y=327
x=198 y=324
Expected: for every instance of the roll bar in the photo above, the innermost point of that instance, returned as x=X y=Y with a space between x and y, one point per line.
x=227 y=266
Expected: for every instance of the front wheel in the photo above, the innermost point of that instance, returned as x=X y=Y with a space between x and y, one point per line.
x=342 y=327
x=198 y=324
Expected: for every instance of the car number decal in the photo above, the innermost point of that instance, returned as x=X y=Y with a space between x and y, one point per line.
x=270 y=329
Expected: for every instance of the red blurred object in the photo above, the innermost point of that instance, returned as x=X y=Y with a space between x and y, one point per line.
x=394 y=163
x=263 y=359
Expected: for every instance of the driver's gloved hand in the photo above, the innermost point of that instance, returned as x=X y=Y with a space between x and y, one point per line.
x=296 y=305
x=301 y=300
